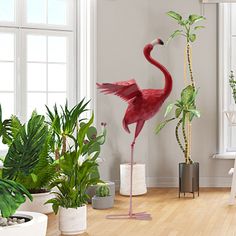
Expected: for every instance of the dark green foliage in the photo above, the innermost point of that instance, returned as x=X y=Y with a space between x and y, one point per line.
x=24 y=151
x=12 y=195
x=102 y=190
x=188 y=31
x=232 y=83
x=78 y=160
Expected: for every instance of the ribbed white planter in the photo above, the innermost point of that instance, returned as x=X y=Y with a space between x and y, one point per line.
x=139 y=179
x=37 y=205
x=73 y=221
x=37 y=226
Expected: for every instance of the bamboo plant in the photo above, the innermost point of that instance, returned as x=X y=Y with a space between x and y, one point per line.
x=185 y=107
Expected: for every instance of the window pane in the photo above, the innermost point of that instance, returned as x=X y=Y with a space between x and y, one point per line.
x=56 y=98
x=36 y=77
x=7 y=46
x=7 y=103
x=36 y=11
x=36 y=48
x=233 y=15
x=57 y=49
x=56 y=77
x=57 y=12
x=7 y=76
x=36 y=101
x=7 y=10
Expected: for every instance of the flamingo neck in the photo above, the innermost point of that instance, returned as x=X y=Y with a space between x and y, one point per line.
x=168 y=79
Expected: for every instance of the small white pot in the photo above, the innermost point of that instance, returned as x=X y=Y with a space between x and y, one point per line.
x=37 y=226
x=37 y=205
x=73 y=221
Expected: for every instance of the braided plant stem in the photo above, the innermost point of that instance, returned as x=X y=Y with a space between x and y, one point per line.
x=187 y=161
x=190 y=66
x=177 y=135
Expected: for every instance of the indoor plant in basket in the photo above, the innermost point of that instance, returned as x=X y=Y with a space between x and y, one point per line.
x=77 y=157
x=185 y=107
x=28 y=161
x=102 y=199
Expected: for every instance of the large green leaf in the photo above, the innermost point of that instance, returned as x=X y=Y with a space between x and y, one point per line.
x=169 y=109
x=23 y=154
x=174 y=15
x=12 y=195
x=192 y=37
x=187 y=94
x=162 y=125
x=195 y=18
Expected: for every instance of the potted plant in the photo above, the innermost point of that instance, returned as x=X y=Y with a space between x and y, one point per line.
x=28 y=161
x=185 y=108
x=91 y=190
x=12 y=195
x=77 y=156
x=102 y=199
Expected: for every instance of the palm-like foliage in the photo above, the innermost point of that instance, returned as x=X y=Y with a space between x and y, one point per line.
x=24 y=151
x=78 y=160
x=12 y=195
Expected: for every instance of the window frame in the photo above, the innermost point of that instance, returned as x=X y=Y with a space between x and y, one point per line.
x=224 y=65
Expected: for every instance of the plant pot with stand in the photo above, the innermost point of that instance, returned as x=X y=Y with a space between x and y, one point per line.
x=185 y=108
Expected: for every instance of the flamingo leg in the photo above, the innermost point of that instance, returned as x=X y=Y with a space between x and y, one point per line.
x=131 y=215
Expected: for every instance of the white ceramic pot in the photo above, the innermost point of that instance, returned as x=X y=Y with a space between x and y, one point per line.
x=37 y=205
x=37 y=226
x=73 y=221
x=139 y=179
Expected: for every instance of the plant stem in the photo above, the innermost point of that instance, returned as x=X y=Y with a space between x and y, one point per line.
x=190 y=66
x=177 y=135
x=63 y=144
x=187 y=161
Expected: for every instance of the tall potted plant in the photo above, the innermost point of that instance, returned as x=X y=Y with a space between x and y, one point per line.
x=77 y=154
x=185 y=108
x=28 y=161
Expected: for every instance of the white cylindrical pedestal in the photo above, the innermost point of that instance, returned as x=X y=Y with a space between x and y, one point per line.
x=139 y=179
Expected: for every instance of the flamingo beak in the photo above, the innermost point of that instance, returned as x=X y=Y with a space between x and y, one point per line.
x=157 y=41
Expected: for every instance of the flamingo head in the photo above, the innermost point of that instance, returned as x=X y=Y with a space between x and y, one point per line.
x=157 y=41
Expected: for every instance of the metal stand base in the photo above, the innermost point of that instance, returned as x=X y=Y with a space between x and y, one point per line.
x=134 y=216
x=188 y=192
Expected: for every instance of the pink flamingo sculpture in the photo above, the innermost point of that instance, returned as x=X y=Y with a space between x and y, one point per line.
x=142 y=105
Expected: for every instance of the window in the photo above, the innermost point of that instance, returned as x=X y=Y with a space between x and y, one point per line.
x=227 y=62
x=37 y=55
x=47 y=54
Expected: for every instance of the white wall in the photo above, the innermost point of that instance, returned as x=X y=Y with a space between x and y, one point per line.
x=124 y=27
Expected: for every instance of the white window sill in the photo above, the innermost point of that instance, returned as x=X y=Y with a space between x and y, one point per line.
x=226 y=155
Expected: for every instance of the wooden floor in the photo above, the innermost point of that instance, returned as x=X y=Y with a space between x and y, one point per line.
x=208 y=215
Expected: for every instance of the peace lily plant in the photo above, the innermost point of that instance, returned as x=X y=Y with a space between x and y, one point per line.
x=184 y=108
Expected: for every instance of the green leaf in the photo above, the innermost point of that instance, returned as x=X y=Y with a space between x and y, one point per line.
x=12 y=195
x=195 y=18
x=174 y=15
x=169 y=109
x=199 y=27
x=192 y=37
x=178 y=112
x=187 y=94
x=162 y=125
x=34 y=177
x=176 y=33
x=195 y=112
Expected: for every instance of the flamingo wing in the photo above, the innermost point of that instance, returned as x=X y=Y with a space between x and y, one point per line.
x=127 y=90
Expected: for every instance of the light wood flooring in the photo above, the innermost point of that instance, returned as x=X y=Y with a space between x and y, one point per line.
x=208 y=215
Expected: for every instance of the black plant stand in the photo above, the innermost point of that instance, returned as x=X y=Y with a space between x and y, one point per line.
x=188 y=178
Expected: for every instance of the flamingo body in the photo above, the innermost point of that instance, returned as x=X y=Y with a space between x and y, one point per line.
x=142 y=105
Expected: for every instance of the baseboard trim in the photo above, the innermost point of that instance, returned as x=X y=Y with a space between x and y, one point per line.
x=168 y=182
